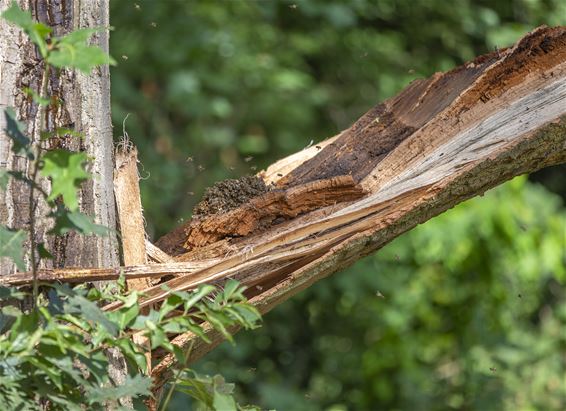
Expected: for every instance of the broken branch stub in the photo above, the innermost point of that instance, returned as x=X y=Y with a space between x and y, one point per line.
x=130 y=216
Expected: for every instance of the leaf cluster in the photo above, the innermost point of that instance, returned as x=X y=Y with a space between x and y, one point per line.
x=70 y=51
x=57 y=354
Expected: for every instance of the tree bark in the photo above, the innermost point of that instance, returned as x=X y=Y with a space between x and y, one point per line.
x=86 y=109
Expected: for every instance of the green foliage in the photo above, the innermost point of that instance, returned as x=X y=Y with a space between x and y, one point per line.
x=70 y=51
x=14 y=130
x=212 y=393
x=66 y=171
x=263 y=79
x=67 y=221
x=11 y=245
x=56 y=353
x=37 y=32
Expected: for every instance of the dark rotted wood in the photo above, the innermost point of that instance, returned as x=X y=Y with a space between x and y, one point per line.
x=360 y=148
x=260 y=212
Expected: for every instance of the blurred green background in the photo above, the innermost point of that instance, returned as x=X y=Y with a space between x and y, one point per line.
x=474 y=314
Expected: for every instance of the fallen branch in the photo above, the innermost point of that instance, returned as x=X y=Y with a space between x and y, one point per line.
x=439 y=142
x=507 y=119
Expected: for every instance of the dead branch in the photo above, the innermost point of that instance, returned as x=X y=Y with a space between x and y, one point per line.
x=439 y=142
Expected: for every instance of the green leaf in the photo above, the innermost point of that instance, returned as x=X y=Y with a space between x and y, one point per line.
x=66 y=221
x=197 y=295
x=24 y=326
x=158 y=337
x=132 y=353
x=12 y=245
x=125 y=315
x=230 y=288
x=43 y=252
x=224 y=402
x=251 y=315
x=121 y=282
x=97 y=364
x=142 y=322
x=4 y=178
x=213 y=392
x=77 y=304
x=6 y=293
x=37 y=32
x=171 y=303
x=14 y=130
x=72 y=51
x=61 y=132
x=66 y=171
x=8 y=316
x=42 y=101
x=79 y=36
x=132 y=387
x=65 y=131
x=197 y=387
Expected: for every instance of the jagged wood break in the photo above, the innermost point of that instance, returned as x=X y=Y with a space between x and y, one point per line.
x=441 y=141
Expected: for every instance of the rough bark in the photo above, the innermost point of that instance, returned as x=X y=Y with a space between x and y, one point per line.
x=86 y=109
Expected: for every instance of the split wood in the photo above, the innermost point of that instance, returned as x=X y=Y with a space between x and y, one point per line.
x=439 y=142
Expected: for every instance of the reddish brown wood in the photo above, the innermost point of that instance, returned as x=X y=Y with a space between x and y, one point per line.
x=260 y=212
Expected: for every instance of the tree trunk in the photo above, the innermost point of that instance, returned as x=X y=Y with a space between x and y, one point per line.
x=86 y=109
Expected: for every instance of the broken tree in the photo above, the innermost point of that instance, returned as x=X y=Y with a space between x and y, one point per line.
x=439 y=142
